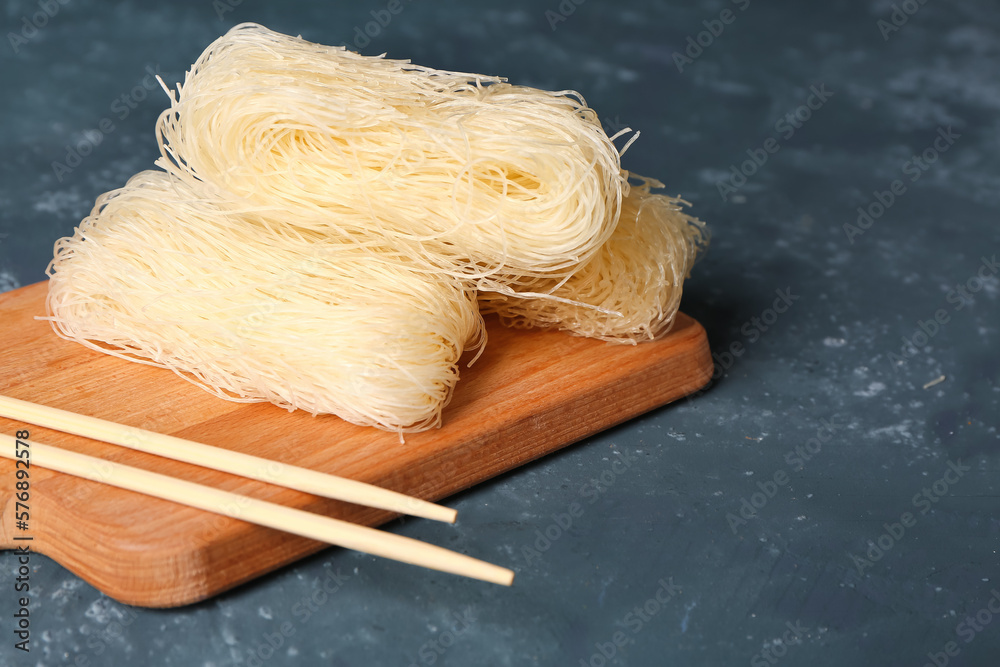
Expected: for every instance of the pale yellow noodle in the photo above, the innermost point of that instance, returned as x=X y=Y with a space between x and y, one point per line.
x=463 y=173
x=630 y=290
x=250 y=312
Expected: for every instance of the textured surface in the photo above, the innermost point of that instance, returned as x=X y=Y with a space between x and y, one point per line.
x=693 y=462
x=528 y=394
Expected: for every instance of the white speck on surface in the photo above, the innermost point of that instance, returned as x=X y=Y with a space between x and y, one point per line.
x=896 y=431
x=626 y=74
x=62 y=203
x=100 y=610
x=8 y=282
x=687 y=615
x=712 y=176
x=873 y=389
x=834 y=342
x=265 y=612
x=65 y=588
x=604 y=589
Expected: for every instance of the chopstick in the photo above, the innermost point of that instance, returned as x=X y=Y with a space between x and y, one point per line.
x=260 y=512
x=237 y=463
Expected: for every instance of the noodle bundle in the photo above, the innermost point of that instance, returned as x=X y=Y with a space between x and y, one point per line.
x=631 y=289
x=328 y=226
x=464 y=173
x=158 y=275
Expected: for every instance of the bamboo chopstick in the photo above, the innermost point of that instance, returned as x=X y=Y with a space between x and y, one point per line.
x=225 y=460
x=260 y=512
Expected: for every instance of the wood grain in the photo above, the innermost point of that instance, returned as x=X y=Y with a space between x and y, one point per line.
x=531 y=393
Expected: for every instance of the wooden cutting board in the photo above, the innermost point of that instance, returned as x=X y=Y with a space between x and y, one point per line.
x=531 y=392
